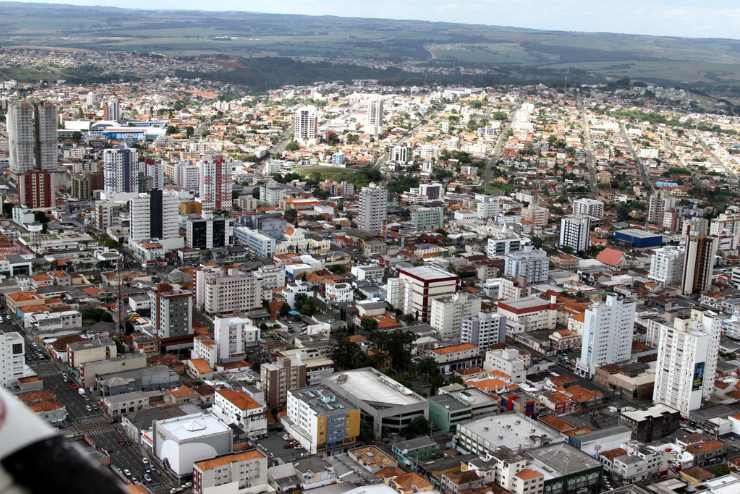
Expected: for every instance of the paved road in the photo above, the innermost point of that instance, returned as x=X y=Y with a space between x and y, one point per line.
x=498 y=149
x=588 y=146
x=716 y=159
x=643 y=173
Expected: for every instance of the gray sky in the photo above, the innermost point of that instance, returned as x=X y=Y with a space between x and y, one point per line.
x=691 y=18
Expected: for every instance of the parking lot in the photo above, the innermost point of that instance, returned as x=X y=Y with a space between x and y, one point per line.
x=278 y=448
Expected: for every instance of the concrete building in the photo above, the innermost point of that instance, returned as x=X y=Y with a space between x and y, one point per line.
x=121 y=170
x=305 y=124
x=575 y=233
x=666 y=265
x=386 y=406
x=484 y=329
x=532 y=265
x=187 y=176
x=726 y=227
x=279 y=377
x=373 y=204
x=588 y=207
x=528 y=314
x=12 y=358
x=658 y=204
x=155 y=216
x=320 y=420
x=418 y=286
x=227 y=291
x=239 y=409
x=374 y=125
x=503 y=242
x=180 y=442
x=32 y=136
x=427 y=219
x=517 y=432
x=171 y=310
x=208 y=233
x=81 y=352
x=215 y=185
x=262 y=245
x=698 y=266
x=687 y=361
x=508 y=361
x=233 y=335
x=238 y=473
x=449 y=311
x=369 y=272
x=607 y=334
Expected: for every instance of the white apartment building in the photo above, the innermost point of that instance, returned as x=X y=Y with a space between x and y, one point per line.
x=271 y=278
x=240 y=409
x=528 y=314
x=238 y=473
x=262 y=245
x=372 y=209
x=484 y=329
x=532 y=265
x=120 y=170
x=607 y=334
x=227 y=292
x=187 y=176
x=449 y=311
x=588 y=207
x=726 y=227
x=339 y=293
x=156 y=215
x=400 y=154
x=32 y=136
x=305 y=124
x=507 y=360
x=155 y=172
x=368 y=272
x=666 y=265
x=575 y=232
x=503 y=242
x=427 y=219
x=12 y=358
x=233 y=335
x=687 y=361
x=418 y=286
x=374 y=124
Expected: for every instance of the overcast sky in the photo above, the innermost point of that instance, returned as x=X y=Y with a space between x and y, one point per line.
x=693 y=18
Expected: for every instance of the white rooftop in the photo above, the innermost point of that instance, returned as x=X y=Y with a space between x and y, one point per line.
x=370 y=385
x=511 y=430
x=193 y=426
x=427 y=273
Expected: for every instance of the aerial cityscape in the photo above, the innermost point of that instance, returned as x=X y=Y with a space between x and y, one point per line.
x=250 y=253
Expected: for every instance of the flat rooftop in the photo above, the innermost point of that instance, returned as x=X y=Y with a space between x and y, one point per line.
x=558 y=460
x=323 y=400
x=511 y=430
x=427 y=273
x=193 y=426
x=654 y=411
x=634 y=232
x=372 y=386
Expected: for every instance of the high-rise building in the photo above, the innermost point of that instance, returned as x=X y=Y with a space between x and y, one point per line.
x=215 y=185
x=588 y=207
x=449 y=311
x=262 y=245
x=171 y=310
x=658 y=204
x=279 y=377
x=154 y=170
x=375 y=115
x=120 y=170
x=698 y=265
x=418 y=286
x=726 y=227
x=233 y=335
x=12 y=358
x=532 y=265
x=32 y=136
x=373 y=207
x=575 y=232
x=208 y=233
x=222 y=291
x=84 y=184
x=400 y=154
x=155 y=216
x=687 y=361
x=305 y=124
x=113 y=110
x=187 y=176
x=666 y=265
x=484 y=329
x=36 y=189
x=427 y=219
x=607 y=334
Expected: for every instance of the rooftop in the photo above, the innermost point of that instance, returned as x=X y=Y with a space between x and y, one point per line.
x=250 y=455
x=192 y=426
x=511 y=429
x=428 y=273
x=561 y=459
x=322 y=399
x=372 y=386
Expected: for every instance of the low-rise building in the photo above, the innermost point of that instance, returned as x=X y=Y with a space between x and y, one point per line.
x=240 y=409
x=238 y=473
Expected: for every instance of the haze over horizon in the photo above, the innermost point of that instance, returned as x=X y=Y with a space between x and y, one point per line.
x=680 y=18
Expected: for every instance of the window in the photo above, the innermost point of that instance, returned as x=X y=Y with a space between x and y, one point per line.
x=17 y=348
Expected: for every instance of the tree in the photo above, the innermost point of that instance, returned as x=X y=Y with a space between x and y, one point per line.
x=291 y=215
x=369 y=324
x=292 y=146
x=417 y=427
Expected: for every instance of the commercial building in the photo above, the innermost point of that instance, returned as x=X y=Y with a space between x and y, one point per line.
x=208 y=233
x=171 y=310
x=687 y=361
x=698 y=266
x=12 y=358
x=239 y=409
x=262 y=245
x=638 y=239
x=418 y=286
x=575 y=233
x=529 y=314
x=532 y=265
x=427 y=219
x=484 y=329
x=36 y=189
x=180 y=442
x=238 y=473
x=651 y=424
x=320 y=420
x=607 y=334
x=32 y=136
x=666 y=265
x=588 y=207
x=233 y=335
x=155 y=216
x=227 y=291
x=566 y=470
x=279 y=377
x=305 y=124
x=373 y=204
x=507 y=360
x=81 y=352
x=517 y=432
x=503 y=242
x=386 y=405
x=215 y=185
x=658 y=204
x=450 y=408
x=449 y=311
x=121 y=170
x=456 y=357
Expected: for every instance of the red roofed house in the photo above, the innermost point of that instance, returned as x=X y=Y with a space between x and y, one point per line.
x=240 y=409
x=612 y=257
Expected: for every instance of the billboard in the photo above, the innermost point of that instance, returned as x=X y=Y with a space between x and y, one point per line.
x=698 y=380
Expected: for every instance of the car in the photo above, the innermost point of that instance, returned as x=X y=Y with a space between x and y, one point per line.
x=127 y=472
x=188 y=484
x=148 y=470
x=145 y=460
x=147 y=478
x=173 y=490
